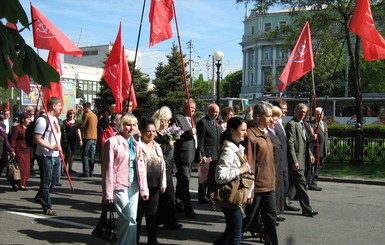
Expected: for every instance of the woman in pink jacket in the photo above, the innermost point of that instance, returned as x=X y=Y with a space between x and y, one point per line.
x=124 y=176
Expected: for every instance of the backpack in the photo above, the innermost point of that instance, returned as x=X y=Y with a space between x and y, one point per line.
x=30 y=131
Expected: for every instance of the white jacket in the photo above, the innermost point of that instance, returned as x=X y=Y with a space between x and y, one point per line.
x=229 y=163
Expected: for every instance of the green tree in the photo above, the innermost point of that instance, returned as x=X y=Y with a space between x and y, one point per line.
x=231 y=85
x=17 y=57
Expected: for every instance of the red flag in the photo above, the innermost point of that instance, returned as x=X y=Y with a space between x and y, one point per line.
x=161 y=14
x=128 y=90
x=23 y=82
x=300 y=61
x=47 y=36
x=112 y=73
x=362 y=24
x=56 y=88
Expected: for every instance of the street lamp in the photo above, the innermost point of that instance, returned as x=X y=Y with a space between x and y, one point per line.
x=218 y=57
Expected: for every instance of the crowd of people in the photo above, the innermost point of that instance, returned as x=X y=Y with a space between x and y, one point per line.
x=140 y=156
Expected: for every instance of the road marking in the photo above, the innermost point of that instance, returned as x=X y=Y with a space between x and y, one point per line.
x=50 y=218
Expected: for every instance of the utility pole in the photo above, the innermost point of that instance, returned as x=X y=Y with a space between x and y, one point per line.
x=190 y=46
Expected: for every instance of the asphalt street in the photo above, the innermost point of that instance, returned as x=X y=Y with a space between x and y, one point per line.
x=349 y=214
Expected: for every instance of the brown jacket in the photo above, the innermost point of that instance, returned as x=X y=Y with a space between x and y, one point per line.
x=259 y=151
x=90 y=126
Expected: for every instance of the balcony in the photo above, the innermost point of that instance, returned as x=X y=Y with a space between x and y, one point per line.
x=266 y=62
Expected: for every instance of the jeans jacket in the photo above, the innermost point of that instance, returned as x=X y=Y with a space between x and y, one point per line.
x=116 y=167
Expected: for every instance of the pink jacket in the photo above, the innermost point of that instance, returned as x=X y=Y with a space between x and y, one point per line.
x=116 y=168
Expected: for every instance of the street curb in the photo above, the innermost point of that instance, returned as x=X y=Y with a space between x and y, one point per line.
x=352 y=181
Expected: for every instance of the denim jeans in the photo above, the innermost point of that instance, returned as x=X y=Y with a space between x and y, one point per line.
x=89 y=148
x=49 y=176
x=126 y=205
x=233 y=231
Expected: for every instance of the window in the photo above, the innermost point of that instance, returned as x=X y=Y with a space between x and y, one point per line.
x=267 y=26
x=252 y=30
x=282 y=23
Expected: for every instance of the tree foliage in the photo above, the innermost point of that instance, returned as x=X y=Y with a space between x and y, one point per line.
x=231 y=85
x=16 y=57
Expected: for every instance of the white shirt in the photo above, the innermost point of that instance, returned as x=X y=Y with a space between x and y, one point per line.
x=40 y=126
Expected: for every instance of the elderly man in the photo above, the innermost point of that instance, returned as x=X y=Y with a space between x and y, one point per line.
x=260 y=153
x=298 y=151
x=208 y=146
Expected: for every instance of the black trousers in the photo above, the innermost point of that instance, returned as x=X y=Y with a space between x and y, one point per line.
x=183 y=177
x=148 y=207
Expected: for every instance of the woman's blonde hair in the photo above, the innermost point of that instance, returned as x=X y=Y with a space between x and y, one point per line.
x=277 y=111
x=164 y=113
x=125 y=119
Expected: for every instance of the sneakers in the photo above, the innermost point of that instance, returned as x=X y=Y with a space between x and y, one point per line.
x=50 y=212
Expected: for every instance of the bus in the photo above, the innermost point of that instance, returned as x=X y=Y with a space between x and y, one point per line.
x=341 y=110
x=238 y=104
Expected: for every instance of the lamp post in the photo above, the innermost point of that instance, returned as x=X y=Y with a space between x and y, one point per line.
x=218 y=57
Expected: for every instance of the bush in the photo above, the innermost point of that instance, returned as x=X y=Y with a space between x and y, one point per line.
x=375 y=131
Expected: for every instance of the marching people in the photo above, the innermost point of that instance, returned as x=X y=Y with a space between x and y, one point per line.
x=230 y=167
x=156 y=180
x=124 y=176
x=74 y=139
x=259 y=151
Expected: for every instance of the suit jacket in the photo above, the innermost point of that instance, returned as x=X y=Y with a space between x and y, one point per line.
x=323 y=139
x=279 y=131
x=185 y=145
x=208 y=138
x=297 y=143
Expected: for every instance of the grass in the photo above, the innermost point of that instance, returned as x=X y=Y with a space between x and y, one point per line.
x=366 y=171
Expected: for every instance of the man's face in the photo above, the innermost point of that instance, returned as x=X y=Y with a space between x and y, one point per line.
x=213 y=112
x=57 y=108
x=300 y=113
x=263 y=121
x=127 y=106
x=7 y=114
x=283 y=107
x=319 y=115
x=192 y=109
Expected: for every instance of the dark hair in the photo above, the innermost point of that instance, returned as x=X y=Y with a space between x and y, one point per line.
x=278 y=102
x=24 y=116
x=226 y=111
x=143 y=123
x=233 y=123
x=53 y=101
x=87 y=104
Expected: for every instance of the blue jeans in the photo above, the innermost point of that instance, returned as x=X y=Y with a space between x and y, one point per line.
x=233 y=231
x=89 y=147
x=49 y=176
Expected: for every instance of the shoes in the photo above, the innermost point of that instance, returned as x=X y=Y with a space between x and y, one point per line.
x=84 y=175
x=33 y=171
x=58 y=184
x=280 y=218
x=23 y=188
x=315 y=188
x=190 y=214
x=72 y=171
x=154 y=243
x=50 y=212
x=14 y=187
x=179 y=207
x=291 y=208
x=204 y=199
x=175 y=226
x=310 y=213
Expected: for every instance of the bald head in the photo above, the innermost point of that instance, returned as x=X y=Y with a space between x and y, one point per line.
x=213 y=111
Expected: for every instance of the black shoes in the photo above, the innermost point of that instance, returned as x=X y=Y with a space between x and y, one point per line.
x=314 y=188
x=291 y=208
x=280 y=218
x=190 y=213
x=179 y=207
x=204 y=199
x=310 y=213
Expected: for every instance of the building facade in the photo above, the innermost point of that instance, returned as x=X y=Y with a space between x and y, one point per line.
x=263 y=58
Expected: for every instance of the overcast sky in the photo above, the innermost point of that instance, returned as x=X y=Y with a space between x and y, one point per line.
x=211 y=25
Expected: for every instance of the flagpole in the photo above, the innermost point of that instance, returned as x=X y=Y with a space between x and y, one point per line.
x=54 y=136
x=316 y=119
x=136 y=51
x=183 y=67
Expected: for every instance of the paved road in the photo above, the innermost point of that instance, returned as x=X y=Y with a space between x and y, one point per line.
x=349 y=214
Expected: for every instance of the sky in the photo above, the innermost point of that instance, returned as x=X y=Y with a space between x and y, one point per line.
x=211 y=25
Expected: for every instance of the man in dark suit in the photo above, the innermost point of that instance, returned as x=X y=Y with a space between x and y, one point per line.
x=184 y=154
x=297 y=148
x=208 y=146
x=320 y=127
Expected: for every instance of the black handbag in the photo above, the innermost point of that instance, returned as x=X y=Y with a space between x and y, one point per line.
x=106 y=229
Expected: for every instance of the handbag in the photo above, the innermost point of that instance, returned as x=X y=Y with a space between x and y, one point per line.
x=13 y=170
x=235 y=193
x=106 y=229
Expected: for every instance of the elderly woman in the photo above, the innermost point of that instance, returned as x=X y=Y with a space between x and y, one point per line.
x=73 y=138
x=123 y=176
x=22 y=151
x=277 y=145
x=230 y=166
x=166 y=214
x=156 y=179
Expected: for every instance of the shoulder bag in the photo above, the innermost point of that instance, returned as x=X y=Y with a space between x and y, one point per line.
x=13 y=170
x=106 y=229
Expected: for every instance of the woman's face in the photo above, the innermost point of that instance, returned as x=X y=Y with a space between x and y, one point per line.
x=149 y=133
x=164 y=123
x=71 y=116
x=27 y=121
x=239 y=134
x=129 y=129
x=274 y=122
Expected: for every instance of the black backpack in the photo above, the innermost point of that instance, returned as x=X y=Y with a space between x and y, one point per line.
x=30 y=131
